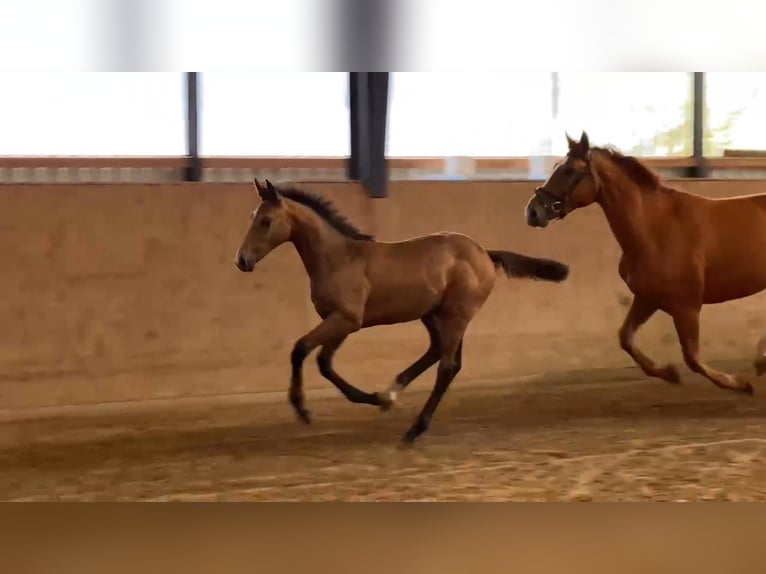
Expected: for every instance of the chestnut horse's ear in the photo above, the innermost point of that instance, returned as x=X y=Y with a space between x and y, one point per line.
x=570 y=141
x=584 y=143
x=267 y=192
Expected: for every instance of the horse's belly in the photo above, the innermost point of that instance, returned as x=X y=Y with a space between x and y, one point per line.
x=400 y=313
x=394 y=306
x=722 y=291
x=733 y=282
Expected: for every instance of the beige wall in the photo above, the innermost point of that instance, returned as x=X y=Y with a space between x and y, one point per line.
x=119 y=292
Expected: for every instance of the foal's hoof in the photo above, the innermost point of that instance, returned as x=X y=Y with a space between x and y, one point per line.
x=304 y=416
x=385 y=402
x=669 y=373
x=407 y=442
x=411 y=436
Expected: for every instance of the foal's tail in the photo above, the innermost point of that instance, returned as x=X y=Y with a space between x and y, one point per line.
x=524 y=266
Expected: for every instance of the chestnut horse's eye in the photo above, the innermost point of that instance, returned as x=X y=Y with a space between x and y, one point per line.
x=265 y=222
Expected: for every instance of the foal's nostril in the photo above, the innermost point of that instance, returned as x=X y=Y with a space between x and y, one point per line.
x=241 y=263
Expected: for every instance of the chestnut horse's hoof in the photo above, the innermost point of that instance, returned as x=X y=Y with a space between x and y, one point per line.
x=303 y=415
x=669 y=373
x=743 y=385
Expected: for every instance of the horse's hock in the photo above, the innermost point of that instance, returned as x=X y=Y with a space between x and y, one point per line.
x=130 y=292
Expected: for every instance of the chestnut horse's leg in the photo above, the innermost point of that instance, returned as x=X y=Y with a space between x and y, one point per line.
x=639 y=313
x=416 y=369
x=450 y=363
x=334 y=327
x=324 y=361
x=687 y=327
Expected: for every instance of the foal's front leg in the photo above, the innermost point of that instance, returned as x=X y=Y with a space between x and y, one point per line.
x=335 y=327
x=639 y=313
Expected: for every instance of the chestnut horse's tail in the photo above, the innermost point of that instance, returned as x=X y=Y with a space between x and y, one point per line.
x=518 y=265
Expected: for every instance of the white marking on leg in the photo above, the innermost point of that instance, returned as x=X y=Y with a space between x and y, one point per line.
x=394 y=390
x=388 y=397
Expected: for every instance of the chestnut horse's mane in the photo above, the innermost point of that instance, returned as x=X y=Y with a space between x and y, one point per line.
x=633 y=168
x=327 y=211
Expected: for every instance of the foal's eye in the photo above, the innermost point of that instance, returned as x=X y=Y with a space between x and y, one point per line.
x=265 y=222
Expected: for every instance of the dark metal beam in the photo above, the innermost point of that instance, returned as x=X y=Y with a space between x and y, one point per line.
x=368 y=108
x=194 y=167
x=363 y=33
x=698 y=127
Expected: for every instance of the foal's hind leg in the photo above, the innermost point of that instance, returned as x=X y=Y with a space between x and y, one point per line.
x=430 y=357
x=687 y=327
x=324 y=361
x=639 y=313
x=451 y=359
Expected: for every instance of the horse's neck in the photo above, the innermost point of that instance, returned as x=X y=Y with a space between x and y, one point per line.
x=318 y=245
x=624 y=207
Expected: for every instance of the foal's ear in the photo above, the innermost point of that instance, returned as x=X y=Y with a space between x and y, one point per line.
x=584 y=143
x=261 y=189
x=570 y=141
x=271 y=192
x=267 y=192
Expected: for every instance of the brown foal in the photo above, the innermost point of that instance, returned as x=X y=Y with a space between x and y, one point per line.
x=442 y=279
x=679 y=251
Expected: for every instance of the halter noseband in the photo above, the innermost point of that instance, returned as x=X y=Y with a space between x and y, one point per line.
x=553 y=203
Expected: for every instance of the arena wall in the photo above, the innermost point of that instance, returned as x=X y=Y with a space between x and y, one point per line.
x=125 y=292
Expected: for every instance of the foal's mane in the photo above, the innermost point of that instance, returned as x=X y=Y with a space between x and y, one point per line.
x=632 y=168
x=327 y=211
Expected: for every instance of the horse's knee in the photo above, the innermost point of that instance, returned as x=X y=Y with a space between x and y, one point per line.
x=448 y=365
x=447 y=371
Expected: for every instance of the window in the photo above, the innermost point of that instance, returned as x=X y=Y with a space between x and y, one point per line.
x=274 y=114
x=40 y=34
x=641 y=113
x=469 y=113
x=735 y=111
x=97 y=114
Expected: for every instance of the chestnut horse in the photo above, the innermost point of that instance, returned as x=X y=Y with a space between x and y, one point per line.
x=441 y=279
x=679 y=251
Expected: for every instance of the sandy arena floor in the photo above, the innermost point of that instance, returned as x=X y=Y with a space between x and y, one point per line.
x=614 y=440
